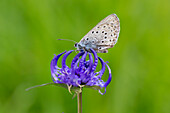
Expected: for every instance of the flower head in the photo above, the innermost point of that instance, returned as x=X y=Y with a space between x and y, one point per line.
x=82 y=72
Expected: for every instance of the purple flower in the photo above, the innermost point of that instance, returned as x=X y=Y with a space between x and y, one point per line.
x=81 y=73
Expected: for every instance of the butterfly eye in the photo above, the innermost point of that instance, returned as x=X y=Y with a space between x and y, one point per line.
x=105 y=33
x=105 y=37
x=87 y=38
x=96 y=31
x=102 y=31
x=92 y=31
x=99 y=48
x=75 y=45
x=102 y=41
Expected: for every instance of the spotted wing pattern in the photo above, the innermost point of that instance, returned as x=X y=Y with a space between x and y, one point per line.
x=104 y=35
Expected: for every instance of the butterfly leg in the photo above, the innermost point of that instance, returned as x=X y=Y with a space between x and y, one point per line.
x=102 y=51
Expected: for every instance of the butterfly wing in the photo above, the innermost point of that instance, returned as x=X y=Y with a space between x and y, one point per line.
x=104 y=35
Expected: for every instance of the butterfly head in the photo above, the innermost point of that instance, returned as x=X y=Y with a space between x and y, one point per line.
x=82 y=47
x=78 y=46
x=75 y=45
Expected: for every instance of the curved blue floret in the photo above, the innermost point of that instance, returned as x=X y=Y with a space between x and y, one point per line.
x=81 y=71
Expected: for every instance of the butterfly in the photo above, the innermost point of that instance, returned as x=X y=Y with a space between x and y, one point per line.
x=102 y=37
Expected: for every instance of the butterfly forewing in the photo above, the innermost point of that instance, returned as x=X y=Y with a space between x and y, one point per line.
x=104 y=35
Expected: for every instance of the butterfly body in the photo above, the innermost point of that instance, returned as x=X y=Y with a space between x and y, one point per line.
x=102 y=37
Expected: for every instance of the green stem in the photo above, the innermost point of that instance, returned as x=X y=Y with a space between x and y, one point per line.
x=79 y=102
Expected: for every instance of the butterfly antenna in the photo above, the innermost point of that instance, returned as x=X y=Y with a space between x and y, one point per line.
x=68 y=40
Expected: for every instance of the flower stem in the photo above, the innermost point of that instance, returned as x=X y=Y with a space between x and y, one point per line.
x=79 y=102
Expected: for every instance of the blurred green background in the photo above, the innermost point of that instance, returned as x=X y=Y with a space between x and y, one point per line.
x=140 y=61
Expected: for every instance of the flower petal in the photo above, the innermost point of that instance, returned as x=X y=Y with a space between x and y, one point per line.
x=64 y=60
x=101 y=72
x=110 y=77
x=90 y=61
x=104 y=91
x=95 y=60
x=108 y=81
x=74 y=62
x=82 y=60
x=88 y=70
x=53 y=67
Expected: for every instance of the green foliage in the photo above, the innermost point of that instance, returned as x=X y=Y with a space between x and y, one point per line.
x=140 y=61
